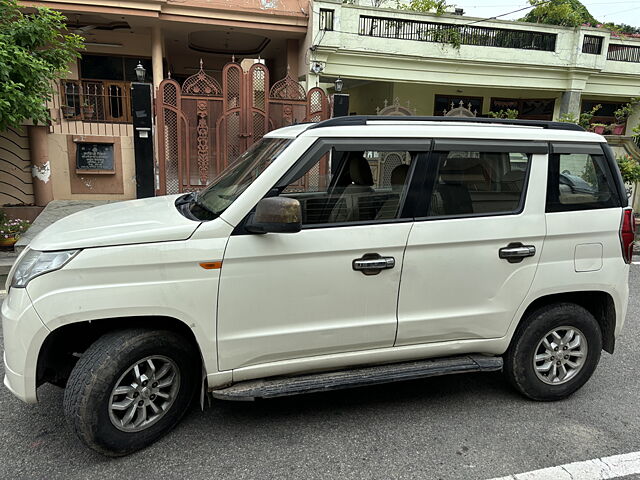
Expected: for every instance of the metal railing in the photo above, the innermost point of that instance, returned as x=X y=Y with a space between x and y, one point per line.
x=623 y=53
x=403 y=29
x=592 y=44
x=91 y=107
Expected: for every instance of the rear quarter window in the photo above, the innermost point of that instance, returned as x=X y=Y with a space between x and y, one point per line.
x=580 y=181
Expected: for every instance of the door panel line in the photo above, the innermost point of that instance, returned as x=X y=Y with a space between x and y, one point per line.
x=404 y=251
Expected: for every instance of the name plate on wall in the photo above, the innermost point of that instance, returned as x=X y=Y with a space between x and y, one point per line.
x=97 y=158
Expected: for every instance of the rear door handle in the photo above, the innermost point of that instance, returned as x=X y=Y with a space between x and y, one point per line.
x=516 y=252
x=373 y=263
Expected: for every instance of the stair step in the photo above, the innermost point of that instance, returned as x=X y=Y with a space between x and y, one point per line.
x=357 y=377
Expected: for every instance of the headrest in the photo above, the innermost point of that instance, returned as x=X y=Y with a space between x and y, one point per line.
x=399 y=175
x=514 y=176
x=360 y=171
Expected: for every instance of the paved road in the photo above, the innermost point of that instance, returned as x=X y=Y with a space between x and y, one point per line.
x=461 y=427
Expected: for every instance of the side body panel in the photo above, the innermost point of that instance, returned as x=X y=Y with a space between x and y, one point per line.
x=455 y=286
x=285 y=296
x=578 y=239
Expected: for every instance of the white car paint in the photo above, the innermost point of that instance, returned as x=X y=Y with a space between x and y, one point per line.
x=145 y=220
x=141 y=258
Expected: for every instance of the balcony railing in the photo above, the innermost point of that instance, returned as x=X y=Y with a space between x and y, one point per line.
x=91 y=107
x=592 y=44
x=623 y=53
x=458 y=34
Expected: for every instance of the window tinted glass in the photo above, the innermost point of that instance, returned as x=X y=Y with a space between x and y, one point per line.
x=478 y=183
x=579 y=181
x=352 y=186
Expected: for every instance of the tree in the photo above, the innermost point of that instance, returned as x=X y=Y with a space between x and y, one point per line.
x=425 y=6
x=569 y=13
x=35 y=50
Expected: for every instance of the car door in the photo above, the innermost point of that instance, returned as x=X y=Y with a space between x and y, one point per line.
x=332 y=287
x=471 y=258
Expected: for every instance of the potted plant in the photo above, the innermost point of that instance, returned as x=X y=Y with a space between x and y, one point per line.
x=598 y=128
x=584 y=120
x=10 y=230
x=622 y=114
x=630 y=170
x=510 y=114
x=68 y=111
x=87 y=109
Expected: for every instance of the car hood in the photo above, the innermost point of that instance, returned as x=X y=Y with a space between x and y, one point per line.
x=123 y=223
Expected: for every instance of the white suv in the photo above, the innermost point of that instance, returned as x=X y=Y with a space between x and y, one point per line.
x=350 y=252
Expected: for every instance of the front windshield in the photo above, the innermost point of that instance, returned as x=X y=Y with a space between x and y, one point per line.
x=235 y=179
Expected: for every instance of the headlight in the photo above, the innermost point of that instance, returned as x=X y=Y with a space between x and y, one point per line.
x=35 y=263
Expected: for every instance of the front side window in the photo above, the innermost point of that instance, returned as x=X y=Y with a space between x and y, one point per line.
x=579 y=181
x=472 y=182
x=237 y=177
x=346 y=186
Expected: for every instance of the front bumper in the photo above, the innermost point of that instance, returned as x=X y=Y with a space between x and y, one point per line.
x=24 y=334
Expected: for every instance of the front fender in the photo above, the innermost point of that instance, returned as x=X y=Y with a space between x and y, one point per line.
x=161 y=279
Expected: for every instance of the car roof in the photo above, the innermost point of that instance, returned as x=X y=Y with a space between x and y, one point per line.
x=440 y=127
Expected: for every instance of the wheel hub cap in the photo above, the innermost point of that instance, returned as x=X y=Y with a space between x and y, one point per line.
x=560 y=355
x=144 y=393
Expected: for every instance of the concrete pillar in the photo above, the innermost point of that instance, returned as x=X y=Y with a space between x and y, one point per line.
x=570 y=102
x=313 y=80
x=157 y=55
x=292 y=57
x=40 y=167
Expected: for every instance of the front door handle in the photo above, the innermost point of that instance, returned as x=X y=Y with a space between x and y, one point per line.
x=373 y=263
x=516 y=252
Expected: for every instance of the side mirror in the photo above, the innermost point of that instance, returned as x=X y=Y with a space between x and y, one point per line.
x=277 y=215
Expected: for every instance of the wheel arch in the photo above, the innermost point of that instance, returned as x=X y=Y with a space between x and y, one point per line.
x=599 y=303
x=63 y=346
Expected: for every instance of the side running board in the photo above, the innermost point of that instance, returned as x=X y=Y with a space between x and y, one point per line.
x=358 y=377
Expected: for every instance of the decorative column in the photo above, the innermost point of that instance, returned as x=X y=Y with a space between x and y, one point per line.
x=156 y=55
x=40 y=167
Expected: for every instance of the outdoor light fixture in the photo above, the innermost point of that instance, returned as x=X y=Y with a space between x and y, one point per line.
x=317 y=67
x=338 y=85
x=140 y=72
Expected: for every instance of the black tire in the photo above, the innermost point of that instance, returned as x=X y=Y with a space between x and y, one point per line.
x=519 y=358
x=88 y=392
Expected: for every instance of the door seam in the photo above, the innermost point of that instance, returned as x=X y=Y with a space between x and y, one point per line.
x=404 y=251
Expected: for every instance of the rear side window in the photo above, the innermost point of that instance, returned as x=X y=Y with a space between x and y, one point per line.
x=478 y=183
x=579 y=181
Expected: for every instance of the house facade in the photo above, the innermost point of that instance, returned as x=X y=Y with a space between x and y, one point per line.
x=224 y=74
x=168 y=38
x=428 y=62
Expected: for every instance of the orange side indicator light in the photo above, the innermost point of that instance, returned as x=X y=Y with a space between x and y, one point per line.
x=211 y=265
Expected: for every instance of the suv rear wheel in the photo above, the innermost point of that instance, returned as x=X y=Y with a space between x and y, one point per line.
x=129 y=388
x=554 y=352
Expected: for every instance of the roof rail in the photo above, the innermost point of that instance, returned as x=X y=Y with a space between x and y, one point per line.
x=363 y=119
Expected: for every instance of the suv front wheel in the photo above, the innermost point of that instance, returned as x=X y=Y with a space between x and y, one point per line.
x=554 y=352
x=129 y=388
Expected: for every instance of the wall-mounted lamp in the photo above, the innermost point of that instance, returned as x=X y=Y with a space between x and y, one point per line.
x=317 y=67
x=338 y=85
x=140 y=72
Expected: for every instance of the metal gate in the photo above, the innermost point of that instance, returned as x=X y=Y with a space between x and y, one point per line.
x=202 y=126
